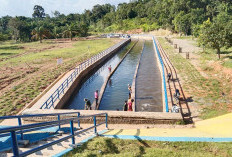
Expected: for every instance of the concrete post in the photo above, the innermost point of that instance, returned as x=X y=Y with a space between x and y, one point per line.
x=175 y=46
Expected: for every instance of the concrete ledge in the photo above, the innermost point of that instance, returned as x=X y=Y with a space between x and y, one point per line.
x=114 y=117
x=133 y=86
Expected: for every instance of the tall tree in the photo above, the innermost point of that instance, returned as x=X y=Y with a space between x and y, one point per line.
x=38 y=12
x=217 y=34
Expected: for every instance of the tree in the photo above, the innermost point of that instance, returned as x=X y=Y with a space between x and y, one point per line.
x=70 y=30
x=39 y=33
x=3 y=37
x=16 y=26
x=217 y=34
x=38 y=12
x=182 y=23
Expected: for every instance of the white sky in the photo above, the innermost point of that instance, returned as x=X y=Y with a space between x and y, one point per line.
x=25 y=7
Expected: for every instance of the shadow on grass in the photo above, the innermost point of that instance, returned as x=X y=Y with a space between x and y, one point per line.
x=111 y=146
x=10 y=48
x=6 y=54
x=230 y=57
x=226 y=52
x=140 y=140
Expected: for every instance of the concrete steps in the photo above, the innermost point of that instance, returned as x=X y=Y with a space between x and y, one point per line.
x=54 y=149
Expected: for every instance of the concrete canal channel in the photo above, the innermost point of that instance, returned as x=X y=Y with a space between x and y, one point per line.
x=148 y=82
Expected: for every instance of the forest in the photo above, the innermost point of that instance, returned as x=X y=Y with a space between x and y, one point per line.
x=210 y=20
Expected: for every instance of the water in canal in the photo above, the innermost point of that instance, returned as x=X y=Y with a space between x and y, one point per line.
x=95 y=82
x=117 y=90
x=148 y=82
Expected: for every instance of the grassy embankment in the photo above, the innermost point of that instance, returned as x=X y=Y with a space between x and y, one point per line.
x=26 y=69
x=136 y=148
x=206 y=92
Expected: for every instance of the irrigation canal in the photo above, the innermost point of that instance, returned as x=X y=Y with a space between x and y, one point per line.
x=148 y=82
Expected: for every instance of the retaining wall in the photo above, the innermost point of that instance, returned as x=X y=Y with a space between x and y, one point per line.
x=114 y=117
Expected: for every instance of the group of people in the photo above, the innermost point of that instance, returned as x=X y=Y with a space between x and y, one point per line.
x=88 y=105
x=176 y=95
x=128 y=103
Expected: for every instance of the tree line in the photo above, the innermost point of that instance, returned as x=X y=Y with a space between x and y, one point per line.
x=200 y=18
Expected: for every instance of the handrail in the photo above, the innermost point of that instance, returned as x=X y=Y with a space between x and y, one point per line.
x=19 y=117
x=13 y=130
x=81 y=67
x=36 y=115
x=163 y=75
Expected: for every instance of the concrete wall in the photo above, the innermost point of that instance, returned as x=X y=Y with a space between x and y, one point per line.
x=84 y=75
x=114 y=117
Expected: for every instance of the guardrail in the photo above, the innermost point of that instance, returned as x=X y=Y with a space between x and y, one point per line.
x=81 y=67
x=20 y=117
x=163 y=75
x=37 y=126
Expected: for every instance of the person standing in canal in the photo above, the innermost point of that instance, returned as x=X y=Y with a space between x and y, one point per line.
x=87 y=104
x=130 y=102
x=96 y=97
x=125 y=107
x=130 y=90
x=109 y=68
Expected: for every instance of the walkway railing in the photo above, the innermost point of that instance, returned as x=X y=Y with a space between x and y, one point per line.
x=81 y=67
x=37 y=126
x=163 y=75
x=20 y=117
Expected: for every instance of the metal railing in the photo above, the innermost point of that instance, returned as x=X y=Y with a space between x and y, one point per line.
x=20 y=117
x=163 y=75
x=14 y=130
x=81 y=67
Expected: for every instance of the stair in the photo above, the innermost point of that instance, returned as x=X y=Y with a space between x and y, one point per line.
x=54 y=149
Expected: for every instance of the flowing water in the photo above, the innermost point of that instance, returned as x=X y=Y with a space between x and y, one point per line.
x=148 y=82
x=94 y=83
x=116 y=91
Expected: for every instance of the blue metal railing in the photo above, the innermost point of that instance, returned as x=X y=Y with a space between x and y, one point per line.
x=81 y=67
x=15 y=129
x=20 y=117
x=163 y=75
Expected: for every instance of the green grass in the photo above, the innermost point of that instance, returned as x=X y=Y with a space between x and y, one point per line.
x=42 y=71
x=78 y=49
x=137 y=148
x=207 y=91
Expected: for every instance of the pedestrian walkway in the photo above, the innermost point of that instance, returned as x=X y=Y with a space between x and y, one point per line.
x=148 y=93
x=217 y=129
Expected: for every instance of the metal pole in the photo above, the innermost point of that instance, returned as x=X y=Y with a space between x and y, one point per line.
x=58 y=93
x=72 y=131
x=63 y=88
x=58 y=118
x=78 y=120
x=106 y=121
x=20 y=123
x=14 y=143
x=95 y=128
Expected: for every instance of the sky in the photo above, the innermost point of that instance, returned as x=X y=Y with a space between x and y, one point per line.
x=25 y=7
